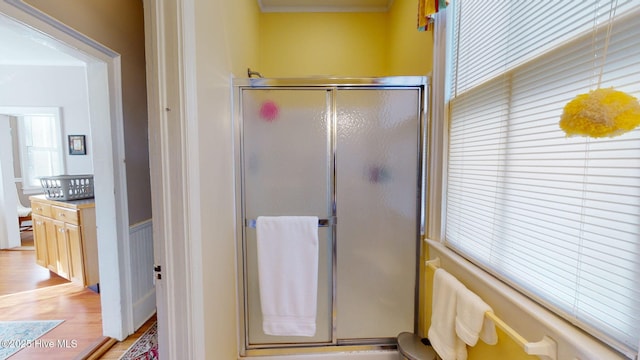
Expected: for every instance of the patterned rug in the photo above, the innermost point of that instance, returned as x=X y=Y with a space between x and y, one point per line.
x=146 y=347
x=16 y=335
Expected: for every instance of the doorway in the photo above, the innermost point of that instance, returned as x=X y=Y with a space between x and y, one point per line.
x=102 y=67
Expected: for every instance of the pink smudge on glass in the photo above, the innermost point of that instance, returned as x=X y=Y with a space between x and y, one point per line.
x=269 y=110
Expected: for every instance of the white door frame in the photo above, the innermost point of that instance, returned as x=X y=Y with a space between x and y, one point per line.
x=105 y=104
x=168 y=105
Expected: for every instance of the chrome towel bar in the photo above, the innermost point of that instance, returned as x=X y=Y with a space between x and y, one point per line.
x=546 y=349
x=251 y=223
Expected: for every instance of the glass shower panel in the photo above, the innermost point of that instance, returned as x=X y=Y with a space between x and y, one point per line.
x=287 y=171
x=377 y=193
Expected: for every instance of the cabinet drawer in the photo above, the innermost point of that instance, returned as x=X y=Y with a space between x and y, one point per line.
x=39 y=208
x=66 y=215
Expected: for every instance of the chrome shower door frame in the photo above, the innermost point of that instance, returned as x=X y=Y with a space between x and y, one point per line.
x=242 y=223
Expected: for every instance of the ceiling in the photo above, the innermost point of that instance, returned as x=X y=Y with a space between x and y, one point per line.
x=325 y=5
x=22 y=45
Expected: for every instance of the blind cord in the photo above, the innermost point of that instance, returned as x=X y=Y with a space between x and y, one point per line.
x=612 y=14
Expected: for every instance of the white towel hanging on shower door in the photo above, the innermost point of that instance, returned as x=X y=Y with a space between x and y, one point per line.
x=288 y=274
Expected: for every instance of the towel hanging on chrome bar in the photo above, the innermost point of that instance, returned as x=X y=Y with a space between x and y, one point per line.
x=546 y=349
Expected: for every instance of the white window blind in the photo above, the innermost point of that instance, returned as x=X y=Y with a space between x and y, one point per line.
x=557 y=217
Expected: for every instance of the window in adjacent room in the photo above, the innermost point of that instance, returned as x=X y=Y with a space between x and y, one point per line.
x=40 y=147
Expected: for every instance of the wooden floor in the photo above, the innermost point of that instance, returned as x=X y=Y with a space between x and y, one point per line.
x=24 y=274
x=30 y=292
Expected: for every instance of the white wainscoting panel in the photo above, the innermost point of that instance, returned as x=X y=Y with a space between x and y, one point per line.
x=143 y=291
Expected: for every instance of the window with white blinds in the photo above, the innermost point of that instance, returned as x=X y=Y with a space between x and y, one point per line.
x=40 y=148
x=556 y=217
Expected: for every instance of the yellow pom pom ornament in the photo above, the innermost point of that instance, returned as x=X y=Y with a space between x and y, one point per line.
x=601 y=113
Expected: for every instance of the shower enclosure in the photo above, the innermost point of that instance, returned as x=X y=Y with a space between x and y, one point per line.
x=349 y=151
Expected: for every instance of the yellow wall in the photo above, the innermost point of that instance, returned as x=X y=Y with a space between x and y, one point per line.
x=321 y=44
x=410 y=51
x=243 y=22
x=344 y=44
x=226 y=43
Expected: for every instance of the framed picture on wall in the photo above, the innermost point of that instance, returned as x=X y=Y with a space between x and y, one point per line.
x=77 y=145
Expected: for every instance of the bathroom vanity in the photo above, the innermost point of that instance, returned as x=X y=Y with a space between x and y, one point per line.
x=64 y=234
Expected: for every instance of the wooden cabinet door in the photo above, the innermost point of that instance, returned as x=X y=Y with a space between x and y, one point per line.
x=52 y=244
x=76 y=262
x=63 y=249
x=40 y=240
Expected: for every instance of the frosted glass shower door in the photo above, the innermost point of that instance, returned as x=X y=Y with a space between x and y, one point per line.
x=377 y=173
x=287 y=167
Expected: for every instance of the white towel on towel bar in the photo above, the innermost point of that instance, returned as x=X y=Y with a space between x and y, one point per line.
x=442 y=332
x=288 y=274
x=471 y=322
